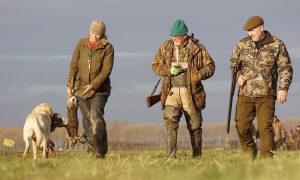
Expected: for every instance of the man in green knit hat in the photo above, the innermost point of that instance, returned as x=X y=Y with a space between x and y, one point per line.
x=183 y=63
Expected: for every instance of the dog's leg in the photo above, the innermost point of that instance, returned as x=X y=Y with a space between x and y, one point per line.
x=52 y=149
x=25 y=154
x=45 y=148
x=67 y=143
x=34 y=149
x=38 y=143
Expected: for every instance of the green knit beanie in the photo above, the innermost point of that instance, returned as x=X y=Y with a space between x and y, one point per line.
x=179 y=28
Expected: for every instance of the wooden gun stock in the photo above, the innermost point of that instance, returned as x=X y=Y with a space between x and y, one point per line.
x=151 y=100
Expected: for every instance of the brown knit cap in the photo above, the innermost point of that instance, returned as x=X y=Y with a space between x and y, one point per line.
x=253 y=22
x=98 y=26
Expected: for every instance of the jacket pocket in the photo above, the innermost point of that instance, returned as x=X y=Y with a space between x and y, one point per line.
x=195 y=77
x=199 y=98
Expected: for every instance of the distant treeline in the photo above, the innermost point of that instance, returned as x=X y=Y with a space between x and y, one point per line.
x=128 y=136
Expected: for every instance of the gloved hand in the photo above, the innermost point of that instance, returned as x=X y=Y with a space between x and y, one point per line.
x=174 y=70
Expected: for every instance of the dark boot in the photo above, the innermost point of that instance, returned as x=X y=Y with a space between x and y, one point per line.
x=171 y=121
x=250 y=155
x=194 y=124
x=196 y=142
x=171 y=144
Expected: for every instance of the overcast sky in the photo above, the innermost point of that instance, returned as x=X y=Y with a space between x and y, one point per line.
x=37 y=39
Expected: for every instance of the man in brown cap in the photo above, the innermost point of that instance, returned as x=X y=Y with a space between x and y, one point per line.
x=89 y=81
x=259 y=59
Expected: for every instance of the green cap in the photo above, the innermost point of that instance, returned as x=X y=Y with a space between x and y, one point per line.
x=179 y=28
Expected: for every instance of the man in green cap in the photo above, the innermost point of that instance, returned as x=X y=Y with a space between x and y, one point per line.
x=259 y=59
x=183 y=63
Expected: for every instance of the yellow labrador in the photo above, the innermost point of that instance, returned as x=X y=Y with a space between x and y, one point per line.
x=38 y=125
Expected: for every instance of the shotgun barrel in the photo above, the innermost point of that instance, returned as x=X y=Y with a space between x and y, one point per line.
x=232 y=89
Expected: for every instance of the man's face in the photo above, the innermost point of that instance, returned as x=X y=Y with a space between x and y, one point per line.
x=179 y=40
x=257 y=33
x=94 y=37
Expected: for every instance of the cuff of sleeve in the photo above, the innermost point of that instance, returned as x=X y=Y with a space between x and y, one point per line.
x=168 y=70
x=237 y=75
x=69 y=86
x=283 y=88
x=200 y=76
x=93 y=86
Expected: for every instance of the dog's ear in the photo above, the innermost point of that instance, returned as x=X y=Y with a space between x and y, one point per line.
x=58 y=120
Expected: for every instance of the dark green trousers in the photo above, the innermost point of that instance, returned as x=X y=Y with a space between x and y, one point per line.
x=263 y=108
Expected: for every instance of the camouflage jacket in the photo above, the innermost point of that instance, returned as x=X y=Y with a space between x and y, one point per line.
x=95 y=71
x=262 y=66
x=200 y=67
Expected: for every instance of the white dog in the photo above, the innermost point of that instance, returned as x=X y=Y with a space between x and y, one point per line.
x=38 y=125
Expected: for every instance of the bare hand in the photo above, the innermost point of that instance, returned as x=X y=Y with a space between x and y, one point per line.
x=87 y=89
x=241 y=80
x=70 y=92
x=282 y=96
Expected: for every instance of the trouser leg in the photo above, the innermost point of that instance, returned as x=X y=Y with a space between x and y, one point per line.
x=99 y=133
x=94 y=123
x=245 y=114
x=84 y=106
x=194 y=125
x=265 y=114
x=171 y=123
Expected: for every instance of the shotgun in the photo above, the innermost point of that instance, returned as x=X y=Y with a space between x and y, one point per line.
x=232 y=89
x=153 y=99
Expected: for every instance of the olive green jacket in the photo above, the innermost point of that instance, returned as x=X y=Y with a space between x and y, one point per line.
x=262 y=66
x=97 y=75
x=200 y=67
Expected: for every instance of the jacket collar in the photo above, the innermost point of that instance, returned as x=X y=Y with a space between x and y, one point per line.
x=267 y=40
x=101 y=44
x=194 y=48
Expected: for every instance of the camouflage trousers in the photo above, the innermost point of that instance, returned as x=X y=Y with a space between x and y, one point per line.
x=263 y=109
x=92 y=110
x=172 y=116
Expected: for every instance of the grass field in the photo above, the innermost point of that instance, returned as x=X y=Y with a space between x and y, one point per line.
x=143 y=165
